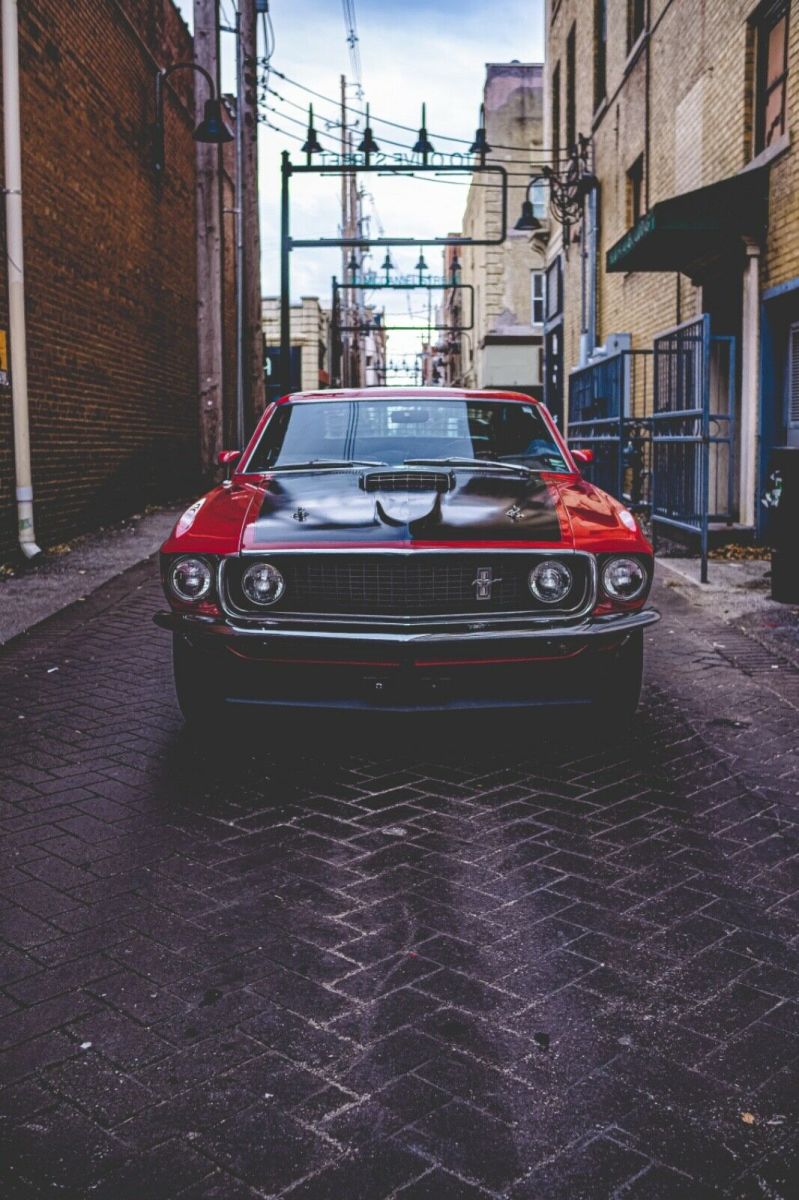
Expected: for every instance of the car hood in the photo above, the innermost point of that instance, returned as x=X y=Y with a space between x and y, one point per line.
x=330 y=508
x=308 y=510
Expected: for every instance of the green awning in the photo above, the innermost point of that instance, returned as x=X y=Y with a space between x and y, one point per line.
x=690 y=232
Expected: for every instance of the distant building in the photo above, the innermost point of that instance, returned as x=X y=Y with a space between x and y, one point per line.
x=504 y=348
x=310 y=345
x=676 y=124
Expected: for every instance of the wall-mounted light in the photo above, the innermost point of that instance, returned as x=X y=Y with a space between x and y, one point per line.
x=212 y=129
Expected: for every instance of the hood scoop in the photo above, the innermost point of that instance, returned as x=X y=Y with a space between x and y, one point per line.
x=408 y=481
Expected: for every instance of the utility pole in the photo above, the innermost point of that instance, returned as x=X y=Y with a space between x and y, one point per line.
x=253 y=347
x=355 y=231
x=209 y=249
x=345 y=224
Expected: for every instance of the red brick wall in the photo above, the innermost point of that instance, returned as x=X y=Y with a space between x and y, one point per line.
x=110 y=267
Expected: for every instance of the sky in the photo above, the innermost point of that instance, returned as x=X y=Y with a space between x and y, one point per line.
x=410 y=51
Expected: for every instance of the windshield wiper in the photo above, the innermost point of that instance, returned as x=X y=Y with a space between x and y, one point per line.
x=455 y=461
x=328 y=462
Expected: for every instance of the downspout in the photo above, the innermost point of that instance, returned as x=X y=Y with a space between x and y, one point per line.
x=593 y=248
x=16 y=280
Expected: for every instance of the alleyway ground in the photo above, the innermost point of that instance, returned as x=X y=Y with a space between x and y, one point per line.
x=441 y=961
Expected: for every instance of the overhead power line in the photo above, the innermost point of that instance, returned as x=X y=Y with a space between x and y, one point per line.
x=351 y=23
x=357 y=112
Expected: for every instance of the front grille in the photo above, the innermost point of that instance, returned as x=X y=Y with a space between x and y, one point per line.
x=407 y=481
x=364 y=584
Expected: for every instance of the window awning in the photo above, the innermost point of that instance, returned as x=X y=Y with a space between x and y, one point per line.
x=690 y=232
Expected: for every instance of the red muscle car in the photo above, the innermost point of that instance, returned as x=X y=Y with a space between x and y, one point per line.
x=406 y=549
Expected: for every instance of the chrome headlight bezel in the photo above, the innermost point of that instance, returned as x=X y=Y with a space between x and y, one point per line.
x=637 y=567
x=205 y=569
x=280 y=584
x=563 y=570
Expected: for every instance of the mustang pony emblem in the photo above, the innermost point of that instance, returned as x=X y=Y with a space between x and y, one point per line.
x=484 y=582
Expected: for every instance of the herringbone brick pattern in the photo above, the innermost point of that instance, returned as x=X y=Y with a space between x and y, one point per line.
x=425 y=962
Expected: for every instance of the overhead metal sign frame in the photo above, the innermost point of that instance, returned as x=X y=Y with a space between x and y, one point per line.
x=288 y=244
x=366 y=286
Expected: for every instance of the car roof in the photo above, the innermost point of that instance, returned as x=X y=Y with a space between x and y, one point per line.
x=406 y=393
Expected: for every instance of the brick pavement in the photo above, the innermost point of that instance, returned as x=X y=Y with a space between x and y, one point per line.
x=470 y=959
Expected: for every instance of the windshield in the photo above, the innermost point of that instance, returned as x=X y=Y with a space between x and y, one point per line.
x=390 y=432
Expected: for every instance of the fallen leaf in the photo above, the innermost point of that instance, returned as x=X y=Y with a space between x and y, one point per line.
x=748 y=1118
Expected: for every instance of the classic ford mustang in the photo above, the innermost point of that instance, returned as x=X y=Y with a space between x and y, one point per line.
x=406 y=549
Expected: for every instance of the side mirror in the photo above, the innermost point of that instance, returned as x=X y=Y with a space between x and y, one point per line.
x=583 y=457
x=227 y=459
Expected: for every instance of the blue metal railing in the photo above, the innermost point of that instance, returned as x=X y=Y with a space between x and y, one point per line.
x=693 y=430
x=610 y=403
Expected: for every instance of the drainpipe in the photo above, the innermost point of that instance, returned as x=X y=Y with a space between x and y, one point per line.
x=592 y=269
x=16 y=280
x=750 y=391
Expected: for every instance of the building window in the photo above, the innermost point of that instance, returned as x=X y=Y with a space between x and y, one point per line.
x=571 y=84
x=600 y=51
x=554 y=289
x=536 y=297
x=635 y=191
x=771 y=32
x=636 y=21
x=556 y=115
x=539 y=194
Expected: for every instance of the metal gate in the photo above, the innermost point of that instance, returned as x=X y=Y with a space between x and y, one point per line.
x=610 y=403
x=693 y=432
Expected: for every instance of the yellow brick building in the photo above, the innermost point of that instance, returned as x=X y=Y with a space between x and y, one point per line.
x=310 y=343
x=504 y=349
x=688 y=205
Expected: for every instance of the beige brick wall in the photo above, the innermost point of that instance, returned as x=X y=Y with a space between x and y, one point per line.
x=694 y=74
x=500 y=274
x=309 y=330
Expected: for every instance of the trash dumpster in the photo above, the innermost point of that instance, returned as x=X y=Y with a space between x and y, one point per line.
x=783 y=500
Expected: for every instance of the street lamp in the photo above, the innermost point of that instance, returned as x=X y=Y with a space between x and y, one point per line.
x=211 y=130
x=311 y=145
x=422 y=145
x=480 y=144
x=367 y=145
x=421 y=266
x=388 y=265
x=528 y=221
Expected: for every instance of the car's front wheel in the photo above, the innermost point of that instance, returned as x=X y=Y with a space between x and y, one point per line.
x=197 y=686
x=617 y=688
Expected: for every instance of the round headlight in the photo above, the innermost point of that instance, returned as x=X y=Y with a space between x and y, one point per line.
x=191 y=578
x=263 y=584
x=550 y=581
x=623 y=578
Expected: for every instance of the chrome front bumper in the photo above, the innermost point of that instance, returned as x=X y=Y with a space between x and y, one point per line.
x=432 y=632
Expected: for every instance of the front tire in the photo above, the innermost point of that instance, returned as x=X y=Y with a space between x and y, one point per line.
x=197 y=686
x=617 y=689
